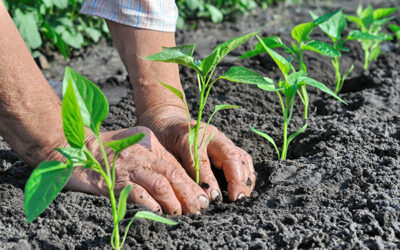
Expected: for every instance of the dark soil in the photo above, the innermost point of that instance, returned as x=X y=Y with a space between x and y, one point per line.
x=339 y=188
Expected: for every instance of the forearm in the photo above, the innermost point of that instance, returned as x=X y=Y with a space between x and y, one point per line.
x=30 y=112
x=149 y=95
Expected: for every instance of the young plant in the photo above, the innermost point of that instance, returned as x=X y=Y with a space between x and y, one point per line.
x=205 y=69
x=369 y=23
x=83 y=105
x=300 y=34
x=333 y=28
x=286 y=89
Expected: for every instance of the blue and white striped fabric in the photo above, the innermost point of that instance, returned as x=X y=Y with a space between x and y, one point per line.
x=160 y=15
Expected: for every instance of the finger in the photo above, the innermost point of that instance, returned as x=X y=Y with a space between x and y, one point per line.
x=159 y=188
x=179 y=181
x=207 y=180
x=198 y=192
x=139 y=195
x=237 y=166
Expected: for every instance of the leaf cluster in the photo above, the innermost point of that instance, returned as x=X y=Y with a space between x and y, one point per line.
x=83 y=105
x=56 y=23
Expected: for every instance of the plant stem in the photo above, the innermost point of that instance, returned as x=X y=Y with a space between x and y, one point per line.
x=366 y=59
x=336 y=65
x=304 y=87
x=284 y=146
x=196 y=137
x=108 y=179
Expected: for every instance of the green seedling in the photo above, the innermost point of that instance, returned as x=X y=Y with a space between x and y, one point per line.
x=370 y=23
x=333 y=28
x=205 y=69
x=286 y=89
x=303 y=42
x=83 y=105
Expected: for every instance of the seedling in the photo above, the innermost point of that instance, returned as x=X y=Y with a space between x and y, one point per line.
x=369 y=23
x=286 y=89
x=205 y=69
x=333 y=28
x=83 y=105
x=300 y=34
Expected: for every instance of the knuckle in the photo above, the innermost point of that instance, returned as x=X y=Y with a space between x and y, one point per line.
x=174 y=174
x=160 y=185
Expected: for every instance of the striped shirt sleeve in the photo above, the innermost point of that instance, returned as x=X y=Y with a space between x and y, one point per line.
x=160 y=15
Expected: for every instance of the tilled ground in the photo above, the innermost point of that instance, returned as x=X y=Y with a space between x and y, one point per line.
x=339 y=188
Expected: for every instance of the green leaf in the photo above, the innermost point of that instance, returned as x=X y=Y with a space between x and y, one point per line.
x=193 y=4
x=321 y=48
x=119 y=145
x=325 y=17
x=53 y=36
x=28 y=28
x=74 y=130
x=383 y=21
x=396 y=30
x=221 y=51
x=177 y=92
x=247 y=76
x=292 y=136
x=320 y=86
x=375 y=53
x=74 y=154
x=354 y=19
x=282 y=63
x=216 y=15
x=180 y=55
x=267 y=137
x=334 y=26
x=43 y=186
x=300 y=32
x=383 y=12
x=224 y=106
x=61 y=4
x=151 y=216
x=92 y=103
x=271 y=42
x=75 y=40
x=123 y=196
x=94 y=34
x=367 y=16
x=356 y=34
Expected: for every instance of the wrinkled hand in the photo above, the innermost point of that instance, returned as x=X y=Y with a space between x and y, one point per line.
x=236 y=164
x=158 y=180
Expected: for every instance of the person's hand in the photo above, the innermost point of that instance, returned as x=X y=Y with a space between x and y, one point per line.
x=172 y=131
x=158 y=180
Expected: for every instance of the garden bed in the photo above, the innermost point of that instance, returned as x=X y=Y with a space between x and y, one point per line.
x=339 y=188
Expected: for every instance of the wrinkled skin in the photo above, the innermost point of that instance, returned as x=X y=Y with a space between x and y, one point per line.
x=158 y=180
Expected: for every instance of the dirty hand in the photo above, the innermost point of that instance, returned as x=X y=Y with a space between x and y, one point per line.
x=158 y=180
x=172 y=131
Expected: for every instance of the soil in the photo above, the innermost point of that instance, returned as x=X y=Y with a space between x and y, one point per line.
x=339 y=189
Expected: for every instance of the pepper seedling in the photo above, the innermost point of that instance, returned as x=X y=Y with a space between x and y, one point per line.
x=286 y=89
x=204 y=69
x=370 y=23
x=333 y=28
x=300 y=33
x=83 y=105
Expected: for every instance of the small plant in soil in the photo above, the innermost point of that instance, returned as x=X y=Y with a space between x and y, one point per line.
x=333 y=28
x=300 y=34
x=204 y=69
x=286 y=89
x=83 y=105
x=369 y=33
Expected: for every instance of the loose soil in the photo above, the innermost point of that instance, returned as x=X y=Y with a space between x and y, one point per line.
x=339 y=188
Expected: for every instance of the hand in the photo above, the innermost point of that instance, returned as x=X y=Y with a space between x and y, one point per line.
x=158 y=180
x=172 y=131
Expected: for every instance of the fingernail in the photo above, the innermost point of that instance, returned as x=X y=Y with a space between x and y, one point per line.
x=204 y=202
x=240 y=196
x=198 y=213
x=216 y=196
